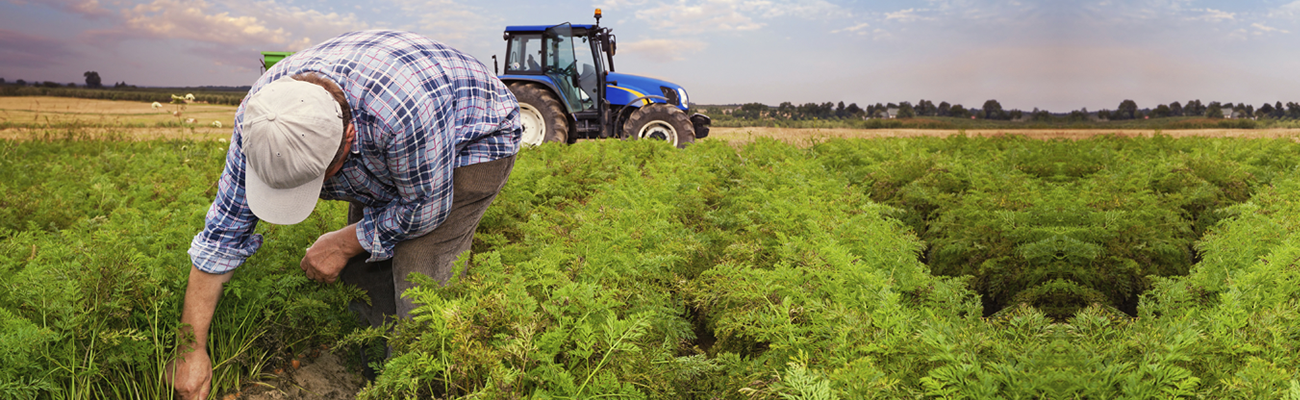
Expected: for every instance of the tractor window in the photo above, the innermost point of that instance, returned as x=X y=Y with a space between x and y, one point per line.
x=587 y=71
x=561 y=66
x=525 y=54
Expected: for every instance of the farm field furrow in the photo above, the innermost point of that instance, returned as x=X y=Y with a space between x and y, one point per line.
x=965 y=266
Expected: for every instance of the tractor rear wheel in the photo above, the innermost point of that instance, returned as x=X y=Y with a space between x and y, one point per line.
x=660 y=122
x=540 y=113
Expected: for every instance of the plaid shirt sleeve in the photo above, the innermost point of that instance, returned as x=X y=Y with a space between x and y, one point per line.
x=227 y=238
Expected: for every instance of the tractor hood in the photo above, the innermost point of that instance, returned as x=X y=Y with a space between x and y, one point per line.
x=627 y=89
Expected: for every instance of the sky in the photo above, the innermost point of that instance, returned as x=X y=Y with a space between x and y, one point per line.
x=1057 y=55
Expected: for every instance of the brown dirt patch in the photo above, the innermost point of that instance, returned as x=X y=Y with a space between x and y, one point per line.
x=324 y=377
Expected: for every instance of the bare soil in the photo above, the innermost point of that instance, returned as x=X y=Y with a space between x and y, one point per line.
x=324 y=377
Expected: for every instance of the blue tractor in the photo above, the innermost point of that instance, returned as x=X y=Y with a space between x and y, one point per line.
x=563 y=76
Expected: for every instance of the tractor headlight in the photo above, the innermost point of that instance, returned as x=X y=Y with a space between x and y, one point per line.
x=681 y=92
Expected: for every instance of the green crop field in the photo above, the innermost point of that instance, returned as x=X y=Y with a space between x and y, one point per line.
x=891 y=268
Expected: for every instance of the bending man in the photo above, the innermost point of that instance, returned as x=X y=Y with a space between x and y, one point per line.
x=418 y=136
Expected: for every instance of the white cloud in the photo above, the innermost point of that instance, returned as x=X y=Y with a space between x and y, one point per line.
x=210 y=23
x=908 y=15
x=697 y=16
x=860 y=29
x=447 y=20
x=1212 y=15
x=705 y=16
x=662 y=50
x=1267 y=29
x=1289 y=10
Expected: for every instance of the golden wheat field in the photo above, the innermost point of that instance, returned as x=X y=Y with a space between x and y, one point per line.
x=45 y=117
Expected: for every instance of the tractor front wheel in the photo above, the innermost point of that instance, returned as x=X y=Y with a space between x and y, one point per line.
x=660 y=122
x=540 y=113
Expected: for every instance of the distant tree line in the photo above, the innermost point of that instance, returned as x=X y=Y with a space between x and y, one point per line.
x=992 y=110
x=94 y=88
x=92 y=79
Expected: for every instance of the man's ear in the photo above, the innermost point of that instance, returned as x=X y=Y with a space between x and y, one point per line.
x=350 y=132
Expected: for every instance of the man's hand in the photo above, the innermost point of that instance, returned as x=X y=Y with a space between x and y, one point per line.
x=191 y=375
x=326 y=258
x=191 y=372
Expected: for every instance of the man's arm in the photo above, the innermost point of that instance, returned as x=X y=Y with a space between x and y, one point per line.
x=331 y=252
x=192 y=370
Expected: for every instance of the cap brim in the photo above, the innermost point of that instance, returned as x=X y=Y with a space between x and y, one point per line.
x=281 y=206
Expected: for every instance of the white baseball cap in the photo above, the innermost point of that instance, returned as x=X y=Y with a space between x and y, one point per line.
x=291 y=132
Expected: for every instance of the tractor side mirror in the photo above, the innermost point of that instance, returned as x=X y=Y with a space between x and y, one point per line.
x=613 y=45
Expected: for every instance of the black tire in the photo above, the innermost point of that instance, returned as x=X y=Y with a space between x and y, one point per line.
x=541 y=114
x=660 y=122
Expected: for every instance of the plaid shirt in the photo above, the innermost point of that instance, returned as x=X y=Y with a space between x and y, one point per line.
x=420 y=109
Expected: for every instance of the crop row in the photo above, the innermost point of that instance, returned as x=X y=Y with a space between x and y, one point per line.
x=626 y=269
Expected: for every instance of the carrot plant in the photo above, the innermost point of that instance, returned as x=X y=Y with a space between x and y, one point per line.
x=958 y=268
x=93 y=264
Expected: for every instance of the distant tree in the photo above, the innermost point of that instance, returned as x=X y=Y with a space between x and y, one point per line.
x=958 y=111
x=1175 y=109
x=853 y=110
x=1293 y=110
x=1214 y=110
x=925 y=108
x=1278 y=111
x=2 y=81
x=751 y=111
x=1161 y=111
x=92 y=80
x=72 y=84
x=50 y=84
x=1264 y=111
x=1250 y=110
x=1015 y=114
x=943 y=109
x=1077 y=116
x=839 y=110
x=992 y=110
x=1040 y=115
x=20 y=82
x=905 y=110
x=1127 y=109
x=1103 y=115
x=785 y=110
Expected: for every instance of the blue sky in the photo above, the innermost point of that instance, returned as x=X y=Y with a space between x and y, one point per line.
x=1058 y=55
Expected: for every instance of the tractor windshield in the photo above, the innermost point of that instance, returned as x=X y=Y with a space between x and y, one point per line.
x=562 y=67
x=525 y=54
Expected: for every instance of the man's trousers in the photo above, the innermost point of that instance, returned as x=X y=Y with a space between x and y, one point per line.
x=474 y=188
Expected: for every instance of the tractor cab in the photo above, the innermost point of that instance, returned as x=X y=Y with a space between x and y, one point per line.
x=563 y=76
x=562 y=56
